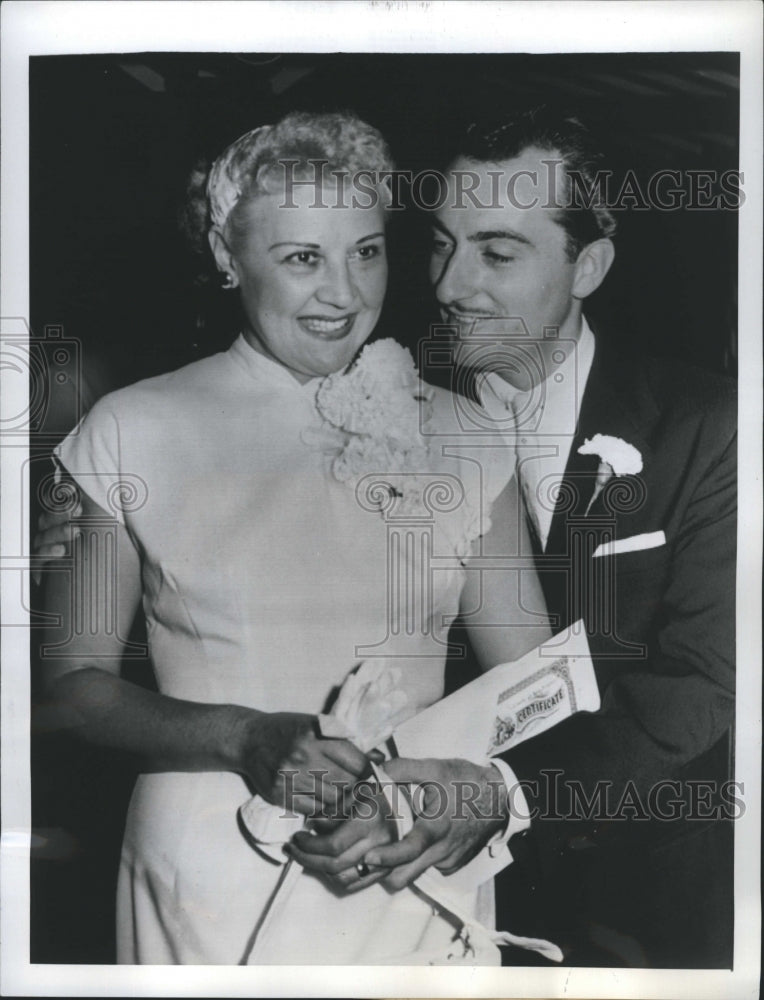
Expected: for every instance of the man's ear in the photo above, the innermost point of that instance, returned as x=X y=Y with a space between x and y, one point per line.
x=592 y=266
x=223 y=257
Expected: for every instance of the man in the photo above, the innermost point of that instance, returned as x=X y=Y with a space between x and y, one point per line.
x=614 y=818
x=627 y=857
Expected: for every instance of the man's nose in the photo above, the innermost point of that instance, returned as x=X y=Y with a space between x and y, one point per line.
x=454 y=278
x=338 y=288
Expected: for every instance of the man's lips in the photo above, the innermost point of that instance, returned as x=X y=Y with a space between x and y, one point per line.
x=487 y=324
x=327 y=328
x=463 y=318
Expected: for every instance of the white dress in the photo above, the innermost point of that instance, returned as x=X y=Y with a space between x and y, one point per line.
x=265 y=582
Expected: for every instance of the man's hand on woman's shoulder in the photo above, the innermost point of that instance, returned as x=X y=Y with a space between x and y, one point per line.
x=55 y=533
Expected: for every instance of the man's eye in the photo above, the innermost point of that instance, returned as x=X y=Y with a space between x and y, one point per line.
x=497 y=258
x=441 y=247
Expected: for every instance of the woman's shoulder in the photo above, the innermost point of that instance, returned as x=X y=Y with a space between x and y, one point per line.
x=163 y=392
x=125 y=436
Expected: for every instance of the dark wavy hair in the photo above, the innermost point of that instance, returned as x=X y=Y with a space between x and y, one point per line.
x=552 y=131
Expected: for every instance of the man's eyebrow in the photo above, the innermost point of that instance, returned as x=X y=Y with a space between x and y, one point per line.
x=487 y=234
x=436 y=224
x=499 y=234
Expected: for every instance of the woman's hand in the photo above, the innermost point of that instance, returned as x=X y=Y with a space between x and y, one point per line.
x=288 y=764
x=339 y=854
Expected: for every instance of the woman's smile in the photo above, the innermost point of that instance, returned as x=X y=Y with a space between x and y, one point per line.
x=326 y=328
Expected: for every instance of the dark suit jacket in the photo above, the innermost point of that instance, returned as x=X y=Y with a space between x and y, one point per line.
x=623 y=885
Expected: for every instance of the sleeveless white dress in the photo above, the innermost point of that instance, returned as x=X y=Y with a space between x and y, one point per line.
x=265 y=582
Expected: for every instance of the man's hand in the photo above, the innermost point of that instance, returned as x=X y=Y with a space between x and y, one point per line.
x=291 y=766
x=55 y=533
x=339 y=853
x=459 y=807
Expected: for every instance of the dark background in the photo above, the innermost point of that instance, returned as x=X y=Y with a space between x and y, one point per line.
x=112 y=141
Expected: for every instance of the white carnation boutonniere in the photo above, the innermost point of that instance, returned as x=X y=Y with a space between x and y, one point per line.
x=617 y=458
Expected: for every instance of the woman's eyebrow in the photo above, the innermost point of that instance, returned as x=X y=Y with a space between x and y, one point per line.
x=295 y=243
x=317 y=246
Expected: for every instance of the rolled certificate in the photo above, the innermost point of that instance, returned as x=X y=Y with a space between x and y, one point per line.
x=508 y=704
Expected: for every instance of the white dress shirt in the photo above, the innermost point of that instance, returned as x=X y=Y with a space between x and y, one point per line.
x=543 y=422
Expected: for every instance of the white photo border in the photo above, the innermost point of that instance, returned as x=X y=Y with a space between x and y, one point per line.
x=38 y=28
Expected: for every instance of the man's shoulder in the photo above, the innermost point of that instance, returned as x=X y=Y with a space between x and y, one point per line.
x=682 y=386
x=695 y=404
x=672 y=391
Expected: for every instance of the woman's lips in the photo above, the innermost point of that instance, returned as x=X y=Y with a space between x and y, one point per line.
x=325 y=328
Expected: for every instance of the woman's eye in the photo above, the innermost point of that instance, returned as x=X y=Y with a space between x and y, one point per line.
x=369 y=251
x=302 y=257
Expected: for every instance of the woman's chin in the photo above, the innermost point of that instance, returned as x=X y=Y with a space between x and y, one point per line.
x=338 y=357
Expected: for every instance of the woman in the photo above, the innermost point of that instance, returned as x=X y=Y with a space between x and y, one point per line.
x=239 y=500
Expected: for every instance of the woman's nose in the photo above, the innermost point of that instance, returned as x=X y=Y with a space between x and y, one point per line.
x=338 y=288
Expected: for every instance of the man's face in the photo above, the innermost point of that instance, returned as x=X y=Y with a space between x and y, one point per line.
x=501 y=272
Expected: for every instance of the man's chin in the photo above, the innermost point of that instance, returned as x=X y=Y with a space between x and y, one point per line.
x=500 y=358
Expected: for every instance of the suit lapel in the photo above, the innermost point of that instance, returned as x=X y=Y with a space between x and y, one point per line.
x=615 y=403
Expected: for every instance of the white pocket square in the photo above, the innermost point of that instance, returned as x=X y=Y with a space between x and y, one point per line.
x=650 y=540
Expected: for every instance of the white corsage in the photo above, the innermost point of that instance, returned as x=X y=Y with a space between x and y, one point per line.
x=617 y=458
x=378 y=422
x=379 y=408
x=370 y=705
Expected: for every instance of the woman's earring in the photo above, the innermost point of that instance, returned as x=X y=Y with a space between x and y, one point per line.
x=228 y=281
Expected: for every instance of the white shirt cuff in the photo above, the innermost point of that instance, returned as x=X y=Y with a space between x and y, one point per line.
x=496 y=855
x=519 y=813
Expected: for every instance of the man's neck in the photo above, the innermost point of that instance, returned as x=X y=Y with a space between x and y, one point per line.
x=546 y=358
x=572 y=369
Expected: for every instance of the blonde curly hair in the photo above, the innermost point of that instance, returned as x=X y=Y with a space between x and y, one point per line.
x=253 y=165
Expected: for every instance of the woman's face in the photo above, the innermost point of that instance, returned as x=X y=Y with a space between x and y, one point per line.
x=312 y=279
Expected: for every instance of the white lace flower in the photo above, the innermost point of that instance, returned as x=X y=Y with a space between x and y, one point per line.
x=380 y=396
x=623 y=458
x=381 y=406
x=377 y=419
